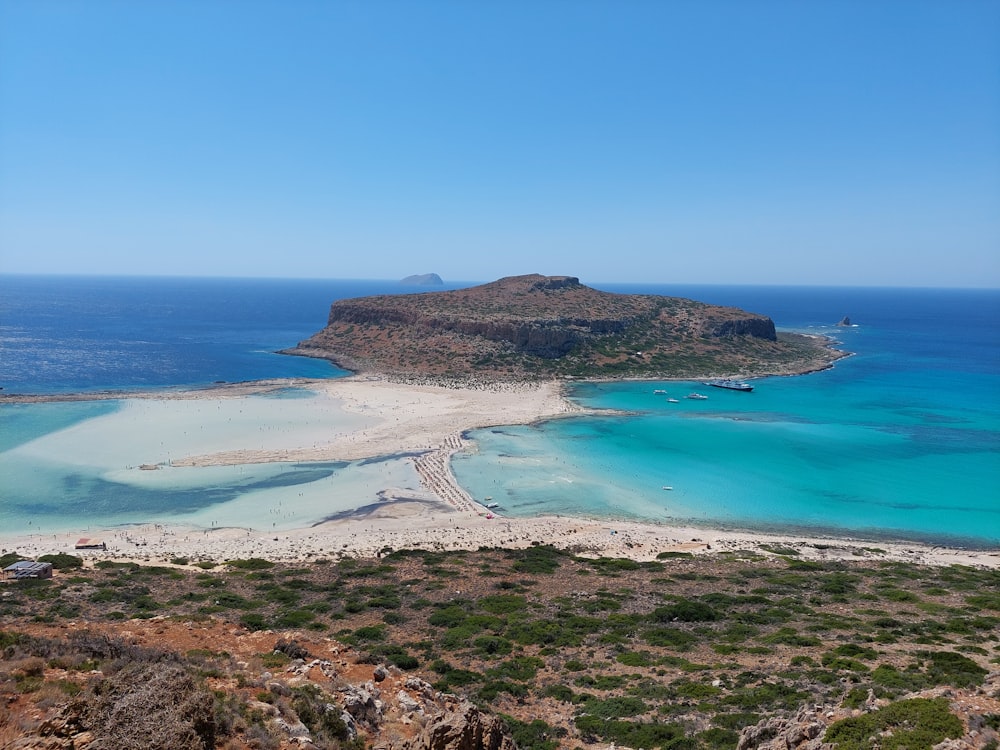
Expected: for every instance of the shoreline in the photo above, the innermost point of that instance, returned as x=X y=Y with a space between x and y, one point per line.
x=425 y=424
x=410 y=524
x=235 y=389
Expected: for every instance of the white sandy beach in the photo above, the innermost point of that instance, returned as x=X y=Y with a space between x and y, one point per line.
x=411 y=502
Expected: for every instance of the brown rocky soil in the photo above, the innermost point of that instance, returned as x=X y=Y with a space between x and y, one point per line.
x=477 y=650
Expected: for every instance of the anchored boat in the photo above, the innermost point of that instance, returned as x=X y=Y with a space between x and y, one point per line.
x=732 y=385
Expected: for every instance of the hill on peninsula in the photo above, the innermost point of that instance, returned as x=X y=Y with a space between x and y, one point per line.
x=533 y=326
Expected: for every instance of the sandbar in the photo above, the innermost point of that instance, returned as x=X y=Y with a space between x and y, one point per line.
x=366 y=417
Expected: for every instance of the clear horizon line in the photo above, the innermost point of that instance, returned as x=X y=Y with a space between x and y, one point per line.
x=471 y=282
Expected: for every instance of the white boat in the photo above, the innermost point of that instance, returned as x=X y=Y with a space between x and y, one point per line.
x=491 y=506
x=697 y=396
x=659 y=392
x=732 y=385
x=672 y=401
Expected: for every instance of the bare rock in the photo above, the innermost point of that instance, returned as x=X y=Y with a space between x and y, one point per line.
x=363 y=706
x=406 y=702
x=464 y=728
x=292 y=728
x=803 y=732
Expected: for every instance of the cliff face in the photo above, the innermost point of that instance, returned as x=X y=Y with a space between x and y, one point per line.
x=539 y=326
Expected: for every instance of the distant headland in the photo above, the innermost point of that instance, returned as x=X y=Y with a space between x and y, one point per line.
x=537 y=327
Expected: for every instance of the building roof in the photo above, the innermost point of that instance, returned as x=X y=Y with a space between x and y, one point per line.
x=27 y=566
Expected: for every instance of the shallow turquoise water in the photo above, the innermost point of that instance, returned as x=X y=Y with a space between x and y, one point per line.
x=901 y=440
x=846 y=451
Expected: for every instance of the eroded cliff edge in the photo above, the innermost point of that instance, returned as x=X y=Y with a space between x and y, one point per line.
x=533 y=326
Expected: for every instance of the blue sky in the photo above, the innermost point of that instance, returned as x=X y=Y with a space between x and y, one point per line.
x=708 y=141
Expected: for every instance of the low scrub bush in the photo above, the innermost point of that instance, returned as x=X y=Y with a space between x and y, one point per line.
x=908 y=724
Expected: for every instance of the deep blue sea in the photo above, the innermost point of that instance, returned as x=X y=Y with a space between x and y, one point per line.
x=901 y=440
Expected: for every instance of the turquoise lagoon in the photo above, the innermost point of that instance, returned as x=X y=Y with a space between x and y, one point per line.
x=900 y=440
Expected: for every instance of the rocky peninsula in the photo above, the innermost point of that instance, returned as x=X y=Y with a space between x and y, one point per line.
x=537 y=327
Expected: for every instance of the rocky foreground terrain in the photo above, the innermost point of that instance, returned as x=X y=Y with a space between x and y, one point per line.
x=536 y=648
x=529 y=327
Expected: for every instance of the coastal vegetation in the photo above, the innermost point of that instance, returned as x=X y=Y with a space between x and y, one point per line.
x=571 y=651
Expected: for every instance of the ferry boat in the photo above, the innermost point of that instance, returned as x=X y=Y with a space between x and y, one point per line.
x=732 y=385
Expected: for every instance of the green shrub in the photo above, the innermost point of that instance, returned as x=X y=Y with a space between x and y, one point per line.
x=612 y=565
x=370 y=633
x=767 y=696
x=520 y=668
x=695 y=690
x=253 y=621
x=735 y=721
x=634 y=734
x=490 y=690
x=253 y=563
x=492 y=645
x=233 y=601
x=673 y=638
x=448 y=617
x=10 y=558
x=634 y=658
x=788 y=637
x=949 y=668
x=990 y=600
x=855 y=698
x=717 y=738
x=398 y=656
x=501 y=604
x=294 y=618
x=540 y=559
x=891 y=678
x=559 y=692
x=280 y=595
x=534 y=735
x=62 y=561
x=912 y=724
x=615 y=708
x=603 y=682
x=453 y=678
x=685 y=610
x=544 y=633
x=899 y=595
x=855 y=651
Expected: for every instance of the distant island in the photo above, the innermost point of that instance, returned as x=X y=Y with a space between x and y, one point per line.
x=536 y=327
x=422 y=279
